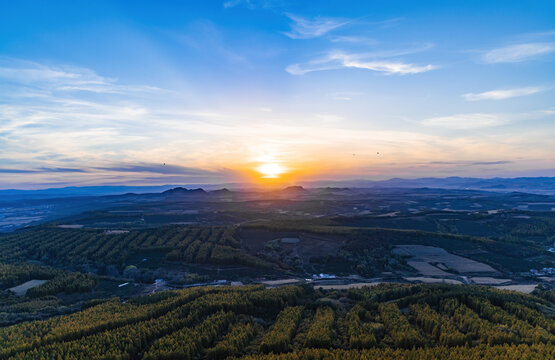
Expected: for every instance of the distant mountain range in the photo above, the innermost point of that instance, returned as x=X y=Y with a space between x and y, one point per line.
x=537 y=185
x=544 y=185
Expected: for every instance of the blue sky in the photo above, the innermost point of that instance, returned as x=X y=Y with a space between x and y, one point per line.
x=108 y=92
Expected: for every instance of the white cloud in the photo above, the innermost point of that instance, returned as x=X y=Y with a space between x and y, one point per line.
x=354 y=40
x=329 y=118
x=389 y=67
x=62 y=78
x=249 y=4
x=338 y=60
x=465 y=121
x=518 y=53
x=233 y=3
x=303 y=28
x=502 y=94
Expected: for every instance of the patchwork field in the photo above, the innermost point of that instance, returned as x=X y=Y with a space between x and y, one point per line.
x=426 y=268
x=421 y=255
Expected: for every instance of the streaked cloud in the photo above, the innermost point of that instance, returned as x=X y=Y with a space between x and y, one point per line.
x=304 y=28
x=518 y=52
x=61 y=78
x=157 y=168
x=249 y=4
x=339 y=60
x=350 y=39
x=41 y=170
x=330 y=118
x=465 y=121
x=233 y=3
x=487 y=163
x=470 y=163
x=16 y=171
x=484 y=120
x=345 y=95
x=501 y=94
x=209 y=39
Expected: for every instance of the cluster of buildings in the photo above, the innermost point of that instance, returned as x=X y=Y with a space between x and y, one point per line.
x=323 y=276
x=543 y=272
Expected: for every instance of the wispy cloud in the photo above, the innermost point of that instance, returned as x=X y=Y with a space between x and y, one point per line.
x=233 y=3
x=61 y=78
x=470 y=163
x=303 y=28
x=501 y=94
x=338 y=60
x=206 y=38
x=534 y=36
x=250 y=4
x=488 y=163
x=329 y=118
x=41 y=170
x=483 y=120
x=157 y=168
x=16 y=171
x=345 y=96
x=465 y=121
x=518 y=52
x=353 y=40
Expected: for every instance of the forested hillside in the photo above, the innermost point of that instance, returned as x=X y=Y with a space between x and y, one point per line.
x=386 y=321
x=361 y=250
x=191 y=244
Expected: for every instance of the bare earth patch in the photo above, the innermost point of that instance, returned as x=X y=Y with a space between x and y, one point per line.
x=426 y=269
x=346 y=286
x=488 y=280
x=21 y=290
x=429 y=280
x=115 y=232
x=280 y=282
x=289 y=240
x=526 y=289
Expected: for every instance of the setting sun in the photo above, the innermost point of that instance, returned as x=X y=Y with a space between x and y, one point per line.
x=271 y=170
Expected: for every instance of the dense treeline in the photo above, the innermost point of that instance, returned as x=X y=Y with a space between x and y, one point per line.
x=66 y=282
x=58 y=280
x=234 y=341
x=116 y=329
x=79 y=247
x=386 y=322
x=11 y=275
x=438 y=326
x=187 y=342
x=320 y=334
x=278 y=339
x=361 y=330
x=514 y=352
x=399 y=332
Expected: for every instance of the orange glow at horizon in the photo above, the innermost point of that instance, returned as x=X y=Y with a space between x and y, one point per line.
x=271 y=170
x=273 y=167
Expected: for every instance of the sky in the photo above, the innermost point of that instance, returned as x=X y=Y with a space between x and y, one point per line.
x=193 y=92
